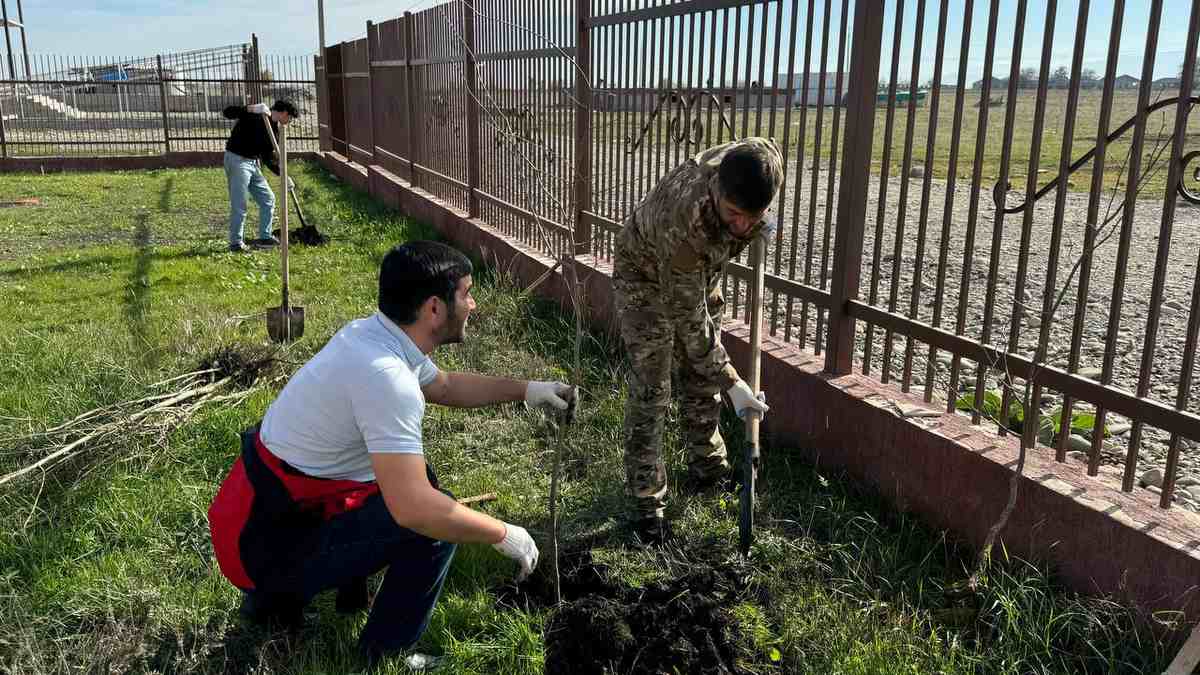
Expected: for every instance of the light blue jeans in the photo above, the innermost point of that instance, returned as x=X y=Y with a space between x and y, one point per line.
x=245 y=176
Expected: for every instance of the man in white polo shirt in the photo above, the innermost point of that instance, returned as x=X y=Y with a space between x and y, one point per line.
x=334 y=485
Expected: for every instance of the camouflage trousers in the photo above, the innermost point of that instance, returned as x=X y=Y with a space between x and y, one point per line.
x=657 y=344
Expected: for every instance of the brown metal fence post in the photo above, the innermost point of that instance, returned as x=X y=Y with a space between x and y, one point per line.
x=3 y=140
x=257 y=86
x=473 y=150
x=856 y=175
x=408 y=94
x=370 y=92
x=162 y=99
x=583 y=126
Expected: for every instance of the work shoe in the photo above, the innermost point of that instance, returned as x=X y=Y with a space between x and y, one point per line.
x=267 y=242
x=239 y=247
x=652 y=531
x=352 y=597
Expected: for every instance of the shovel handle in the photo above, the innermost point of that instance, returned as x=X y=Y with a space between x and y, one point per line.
x=280 y=146
x=753 y=419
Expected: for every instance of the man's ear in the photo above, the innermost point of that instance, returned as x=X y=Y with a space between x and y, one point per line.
x=431 y=306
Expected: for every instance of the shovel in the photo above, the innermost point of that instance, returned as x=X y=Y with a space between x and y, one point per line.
x=284 y=323
x=753 y=418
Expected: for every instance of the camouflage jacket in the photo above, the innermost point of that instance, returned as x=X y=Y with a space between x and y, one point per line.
x=674 y=241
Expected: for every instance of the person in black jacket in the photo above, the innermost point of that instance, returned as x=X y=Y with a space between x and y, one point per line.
x=248 y=145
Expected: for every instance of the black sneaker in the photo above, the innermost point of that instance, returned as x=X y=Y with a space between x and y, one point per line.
x=265 y=243
x=239 y=247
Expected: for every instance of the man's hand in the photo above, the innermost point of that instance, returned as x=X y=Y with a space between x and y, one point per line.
x=257 y=109
x=743 y=399
x=518 y=545
x=548 y=393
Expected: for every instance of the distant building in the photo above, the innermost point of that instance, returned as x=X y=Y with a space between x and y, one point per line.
x=1167 y=83
x=814 y=94
x=1126 y=82
x=997 y=83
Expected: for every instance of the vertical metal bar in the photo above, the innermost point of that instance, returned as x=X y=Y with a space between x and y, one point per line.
x=737 y=50
x=746 y=80
x=801 y=148
x=816 y=170
x=1050 y=292
x=1131 y=191
x=410 y=96
x=885 y=167
x=833 y=147
x=610 y=145
x=948 y=211
x=1031 y=185
x=257 y=86
x=24 y=44
x=320 y=26
x=675 y=65
x=12 y=69
x=902 y=207
x=3 y=134
x=935 y=98
x=1182 y=108
x=762 y=66
x=1097 y=189
x=785 y=188
x=856 y=177
x=985 y=95
x=474 y=158
x=711 y=81
x=162 y=96
x=989 y=307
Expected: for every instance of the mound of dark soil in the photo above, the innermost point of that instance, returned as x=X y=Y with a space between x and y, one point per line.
x=679 y=625
x=307 y=235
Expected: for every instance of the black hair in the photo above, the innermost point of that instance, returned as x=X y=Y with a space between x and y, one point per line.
x=283 y=105
x=414 y=272
x=747 y=180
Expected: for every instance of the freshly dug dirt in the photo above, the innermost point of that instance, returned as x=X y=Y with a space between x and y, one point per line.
x=680 y=625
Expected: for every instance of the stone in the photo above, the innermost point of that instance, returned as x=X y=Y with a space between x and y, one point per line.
x=1175 y=305
x=918 y=171
x=1155 y=489
x=1119 y=429
x=1193 y=492
x=1187 y=481
x=1078 y=456
x=1153 y=477
x=1046 y=435
x=1078 y=443
x=910 y=410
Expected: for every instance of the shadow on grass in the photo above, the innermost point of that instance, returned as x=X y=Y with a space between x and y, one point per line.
x=137 y=287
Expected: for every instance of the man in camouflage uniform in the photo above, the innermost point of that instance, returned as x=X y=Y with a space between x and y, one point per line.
x=670 y=256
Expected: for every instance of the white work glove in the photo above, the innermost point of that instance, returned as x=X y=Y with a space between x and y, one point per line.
x=547 y=393
x=291 y=183
x=743 y=399
x=257 y=108
x=518 y=545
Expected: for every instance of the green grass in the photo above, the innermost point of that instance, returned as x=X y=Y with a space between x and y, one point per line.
x=120 y=280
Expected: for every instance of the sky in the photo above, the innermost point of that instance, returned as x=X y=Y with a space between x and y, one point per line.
x=145 y=27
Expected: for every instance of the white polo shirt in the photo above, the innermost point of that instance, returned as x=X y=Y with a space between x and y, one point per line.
x=360 y=394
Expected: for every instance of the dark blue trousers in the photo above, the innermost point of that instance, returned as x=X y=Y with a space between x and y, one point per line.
x=352 y=546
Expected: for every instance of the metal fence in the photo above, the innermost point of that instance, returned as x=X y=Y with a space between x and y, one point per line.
x=1011 y=219
x=62 y=105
